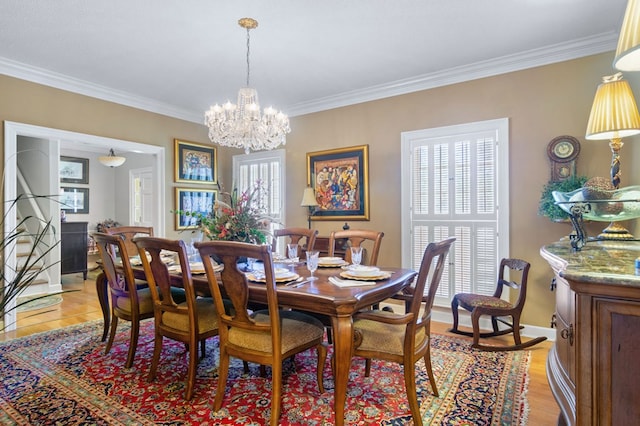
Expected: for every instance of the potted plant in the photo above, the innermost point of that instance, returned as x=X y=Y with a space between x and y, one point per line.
x=548 y=207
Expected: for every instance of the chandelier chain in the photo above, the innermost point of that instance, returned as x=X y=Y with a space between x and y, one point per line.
x=248 y=52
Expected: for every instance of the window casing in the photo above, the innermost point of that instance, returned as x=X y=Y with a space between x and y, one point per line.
x=455 y=183
x=268 y=168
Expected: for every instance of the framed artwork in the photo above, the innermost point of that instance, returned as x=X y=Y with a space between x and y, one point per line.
x=74 y=200
x=194 y=163
x=340 y=181
x=73 y=170
x=193 y=200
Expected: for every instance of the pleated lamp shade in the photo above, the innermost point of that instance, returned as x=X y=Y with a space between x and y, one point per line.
x=614 y=113
x=628 y=52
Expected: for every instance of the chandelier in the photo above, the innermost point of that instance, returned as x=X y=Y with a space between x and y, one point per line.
x=242 y=125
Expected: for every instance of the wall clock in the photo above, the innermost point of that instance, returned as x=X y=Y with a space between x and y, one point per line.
x=562 y=152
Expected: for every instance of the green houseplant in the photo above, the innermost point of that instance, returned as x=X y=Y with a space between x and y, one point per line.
x=547 y=206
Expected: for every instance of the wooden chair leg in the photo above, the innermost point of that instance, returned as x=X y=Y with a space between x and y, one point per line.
x=322 y=358
x=112 y=333
x=157 y=348
x=191 y=370
x=412 y=397
x=276 y=392
x=475 y=322
x=203 y=348
x=133 y=343
x=223 y=372
x=367 y=367
x=454 y=311
x=428 y=366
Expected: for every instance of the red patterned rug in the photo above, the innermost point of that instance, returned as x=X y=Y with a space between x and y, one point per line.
x=64 y=378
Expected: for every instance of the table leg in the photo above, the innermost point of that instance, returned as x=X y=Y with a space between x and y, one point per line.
x=103 y=298
x=343 y=347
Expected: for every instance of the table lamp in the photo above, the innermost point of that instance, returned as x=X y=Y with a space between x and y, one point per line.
x=309 y=201
x=614 y=115
x=628 y=52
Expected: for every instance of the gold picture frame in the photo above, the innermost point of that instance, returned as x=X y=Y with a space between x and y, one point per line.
x=194 y=200
x=340 y=182
x=194 y=162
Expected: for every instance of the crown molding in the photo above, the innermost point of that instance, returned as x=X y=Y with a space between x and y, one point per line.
x=64 y=82
x=529 y=59
x=533 y=58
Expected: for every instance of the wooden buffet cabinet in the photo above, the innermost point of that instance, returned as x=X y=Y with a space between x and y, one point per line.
x=594 y=367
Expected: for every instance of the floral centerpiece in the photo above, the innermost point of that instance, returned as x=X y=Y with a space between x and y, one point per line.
x=238 y=219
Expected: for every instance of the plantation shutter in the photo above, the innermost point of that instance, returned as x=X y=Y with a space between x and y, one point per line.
x=266 y=170
x=454 y=192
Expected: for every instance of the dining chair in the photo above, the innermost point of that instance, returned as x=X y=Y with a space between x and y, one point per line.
x=518 y=271
x=405 y=338
x=129 y=232
x=266 y=337
x=305 y=238
x=191 y=321
x=127 y=301
x=358 y=238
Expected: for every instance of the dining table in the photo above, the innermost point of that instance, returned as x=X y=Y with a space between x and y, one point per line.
x=320 y=296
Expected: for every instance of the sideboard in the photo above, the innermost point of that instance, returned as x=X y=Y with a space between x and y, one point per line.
x=594 y=367
x=73 y=247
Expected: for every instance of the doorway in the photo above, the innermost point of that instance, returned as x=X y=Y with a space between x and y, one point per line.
x=51 y=140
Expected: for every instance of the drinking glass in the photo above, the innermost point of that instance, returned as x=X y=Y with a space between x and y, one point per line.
x=356 y=255
x=292 y=251
x=312 y=263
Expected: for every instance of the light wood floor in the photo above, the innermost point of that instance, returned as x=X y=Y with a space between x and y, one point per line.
x=82 y=306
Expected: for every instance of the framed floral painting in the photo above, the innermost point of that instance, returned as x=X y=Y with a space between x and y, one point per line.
x=194 y=163
x=340 y=180
x=195 y=201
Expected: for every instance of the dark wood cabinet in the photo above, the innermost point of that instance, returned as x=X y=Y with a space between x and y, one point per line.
x=73 y=248
x=594 y=366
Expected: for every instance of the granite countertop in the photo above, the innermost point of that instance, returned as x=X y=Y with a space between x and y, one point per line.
x=599 y=261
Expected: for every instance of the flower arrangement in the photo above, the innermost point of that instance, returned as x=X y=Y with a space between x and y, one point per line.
x=241 y=219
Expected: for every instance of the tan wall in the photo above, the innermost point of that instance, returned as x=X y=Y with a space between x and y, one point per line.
x=541 y=103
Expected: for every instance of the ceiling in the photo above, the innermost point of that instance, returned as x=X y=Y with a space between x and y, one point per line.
x=177 y=57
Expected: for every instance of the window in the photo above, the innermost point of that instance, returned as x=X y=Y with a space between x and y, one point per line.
x=455 y=183
x=267 y=167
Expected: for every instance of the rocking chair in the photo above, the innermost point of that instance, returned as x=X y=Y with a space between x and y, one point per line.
x=496 y=307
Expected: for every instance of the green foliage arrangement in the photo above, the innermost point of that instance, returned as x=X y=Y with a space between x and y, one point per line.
x=547 y=206
x=13 y=284
x=239 y=219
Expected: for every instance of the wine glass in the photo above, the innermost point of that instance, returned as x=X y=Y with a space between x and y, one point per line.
x=356 y=255
x=292 y=252
x=312 y=263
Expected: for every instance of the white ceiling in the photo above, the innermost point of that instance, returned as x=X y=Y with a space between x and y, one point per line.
x=177 y=57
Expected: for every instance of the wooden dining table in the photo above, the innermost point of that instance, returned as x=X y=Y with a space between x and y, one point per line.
x=319 y=296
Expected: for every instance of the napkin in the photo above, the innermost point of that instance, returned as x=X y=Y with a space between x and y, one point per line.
x=349 y=283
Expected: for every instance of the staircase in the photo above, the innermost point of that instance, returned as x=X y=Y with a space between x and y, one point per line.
x=26 y=253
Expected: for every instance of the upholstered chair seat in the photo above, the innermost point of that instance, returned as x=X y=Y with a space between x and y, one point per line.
x=385 y=337
x=297 y=329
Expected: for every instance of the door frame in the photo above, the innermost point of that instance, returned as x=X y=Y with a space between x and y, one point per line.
x=54 y=136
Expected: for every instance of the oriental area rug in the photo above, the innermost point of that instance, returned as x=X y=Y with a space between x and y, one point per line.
x=64 y=378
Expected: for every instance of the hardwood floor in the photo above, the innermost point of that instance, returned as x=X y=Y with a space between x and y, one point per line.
x=81 y=305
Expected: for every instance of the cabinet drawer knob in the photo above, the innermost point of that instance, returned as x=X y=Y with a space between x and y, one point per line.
x=567 y=333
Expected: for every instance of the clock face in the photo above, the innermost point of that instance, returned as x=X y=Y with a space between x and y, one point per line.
x=563 y=149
